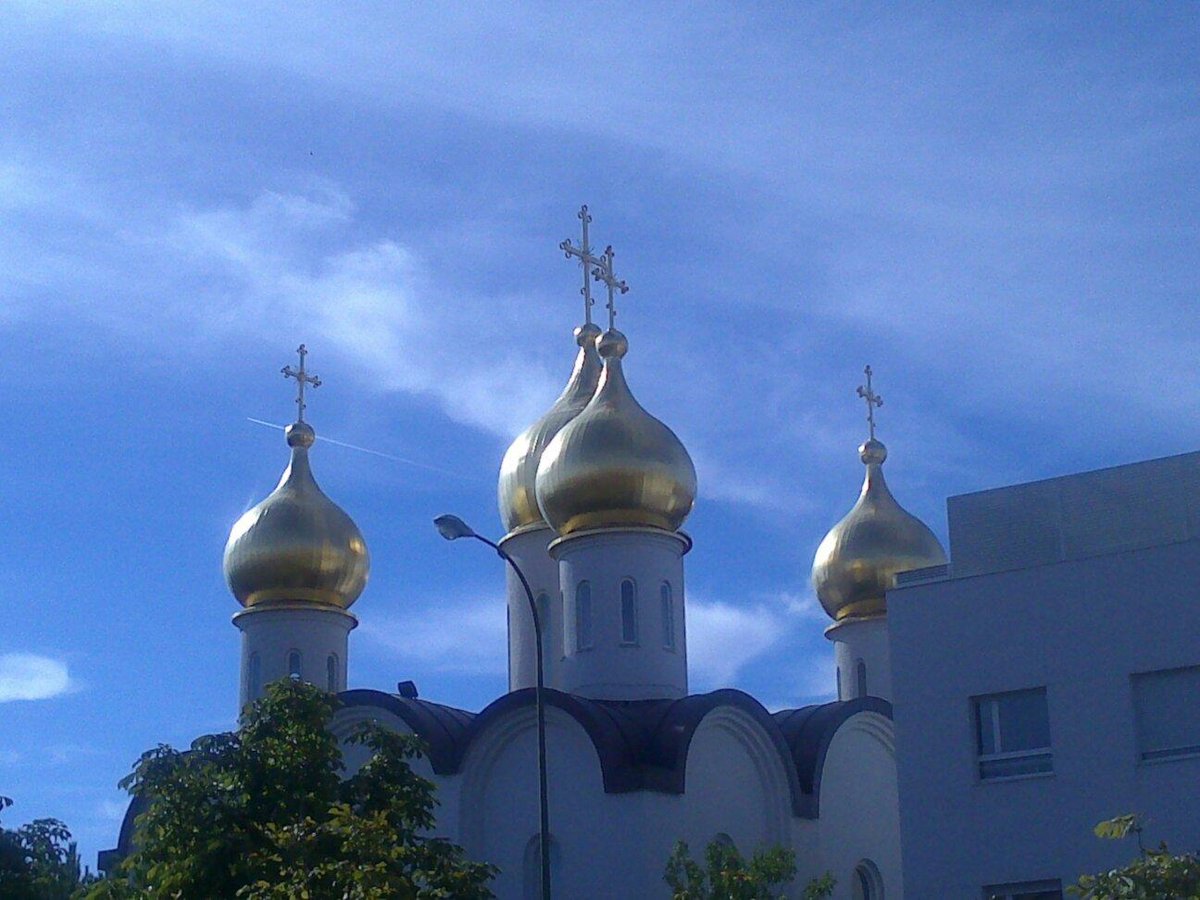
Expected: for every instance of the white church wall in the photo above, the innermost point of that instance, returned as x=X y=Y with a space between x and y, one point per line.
x=859 y=821
x=528 y=549
x=654 y=664
x=1079 y=631
x=276 y=636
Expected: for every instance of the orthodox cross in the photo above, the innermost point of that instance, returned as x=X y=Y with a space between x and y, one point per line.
x=586 y=260
x=302 y=378
x=604 y=272
x=873 y=400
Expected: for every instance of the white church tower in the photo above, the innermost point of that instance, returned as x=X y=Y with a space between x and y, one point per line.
x=857 y=563
x=616 y=484
x=527 y=536
x=295 y=562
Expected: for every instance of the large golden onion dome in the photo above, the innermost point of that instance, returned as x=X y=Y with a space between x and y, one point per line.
x=518 y=471
x=615 y=465
x=860 y=557
x=297 y=544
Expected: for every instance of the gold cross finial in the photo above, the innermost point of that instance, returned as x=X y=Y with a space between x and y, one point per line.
x=603 y=271
x=302 y=378
x=873 y=400
x=586 y=260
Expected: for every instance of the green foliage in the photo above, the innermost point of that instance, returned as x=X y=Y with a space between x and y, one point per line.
x=1154 y=875
x=726 y=875
x=39 y=861
x=263 y=813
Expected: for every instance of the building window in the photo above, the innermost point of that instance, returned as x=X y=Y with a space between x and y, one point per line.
x=668 y=616
x=1050 y=889
x=255 y=678
x=860 y=679
x=629 y=618
x=1012 y=734
x=294 y=664
x=331 y=673
x=838 y=675
x=1166 y=713
x=867 y=883
x=583 y=616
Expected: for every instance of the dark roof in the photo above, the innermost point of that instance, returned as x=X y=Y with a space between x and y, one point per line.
x=642 y=744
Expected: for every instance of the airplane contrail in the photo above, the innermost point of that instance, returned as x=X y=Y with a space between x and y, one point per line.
x=391 y=456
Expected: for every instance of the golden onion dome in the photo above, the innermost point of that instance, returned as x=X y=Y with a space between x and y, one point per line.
x=518 y=471
x=860 y=557
x=297 y=544
x=615 y=465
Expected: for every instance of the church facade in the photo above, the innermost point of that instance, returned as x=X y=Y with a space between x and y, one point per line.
x=593 y=497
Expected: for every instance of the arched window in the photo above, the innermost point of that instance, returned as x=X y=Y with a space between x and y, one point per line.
x=861 y=679
x=668 y=616
x=583 y=616
x=331 y=673
x=838 y=672
x=532 y=869
x=629 y=617
x=867 y=883
x=254 y=678
x=294 y=664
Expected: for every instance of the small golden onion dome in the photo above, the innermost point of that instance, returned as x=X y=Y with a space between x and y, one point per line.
x=615 y=465
x=297 y=544
x=859 y=558
x=518 y=471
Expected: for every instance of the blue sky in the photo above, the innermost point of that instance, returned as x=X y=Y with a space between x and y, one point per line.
x=994 y=206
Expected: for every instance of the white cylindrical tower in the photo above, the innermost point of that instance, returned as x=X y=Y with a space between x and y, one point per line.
x=528 y=535
x=616 y=484
x=856 y=565
x=296 y=562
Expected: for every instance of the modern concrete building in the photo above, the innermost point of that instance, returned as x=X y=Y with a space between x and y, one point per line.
x=1049 y=679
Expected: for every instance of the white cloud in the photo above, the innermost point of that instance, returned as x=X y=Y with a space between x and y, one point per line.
x=466 y=638
x=723 y=638
x=27 y=676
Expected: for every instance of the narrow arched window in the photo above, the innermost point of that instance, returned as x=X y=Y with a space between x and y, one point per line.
x=668 y=616
x=861 y=679
x=629 y=617
x=583 y=616
x=294 y=664
x=331 y=673
x=254 y=678
x=867 y=883
x=838 y=673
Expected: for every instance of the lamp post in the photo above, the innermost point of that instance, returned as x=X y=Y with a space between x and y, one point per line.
x=452 y=528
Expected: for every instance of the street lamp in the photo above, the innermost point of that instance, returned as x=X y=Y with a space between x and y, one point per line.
x=452 y=528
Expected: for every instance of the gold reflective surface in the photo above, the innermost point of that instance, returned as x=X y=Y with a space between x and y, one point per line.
x=615 y=465
x=297 y=544
x=518 y=470
x=859 y=558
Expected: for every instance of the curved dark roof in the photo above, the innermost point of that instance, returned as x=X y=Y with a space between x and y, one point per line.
x=441 y=727
x=642 y=745
x=809 y=731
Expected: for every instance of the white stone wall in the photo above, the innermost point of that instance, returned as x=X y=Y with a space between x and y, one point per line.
x=862 y=641
x=528 y=550
x=272 y=633
x=610 y=669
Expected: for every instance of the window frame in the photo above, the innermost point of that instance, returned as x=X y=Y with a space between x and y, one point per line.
x=1154 y=755
x=629 y=613
x=996 y=760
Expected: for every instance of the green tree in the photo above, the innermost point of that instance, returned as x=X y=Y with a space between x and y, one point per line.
x=39 y=861
x=265 y=813
x=727 y=875
x=1154 y=875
